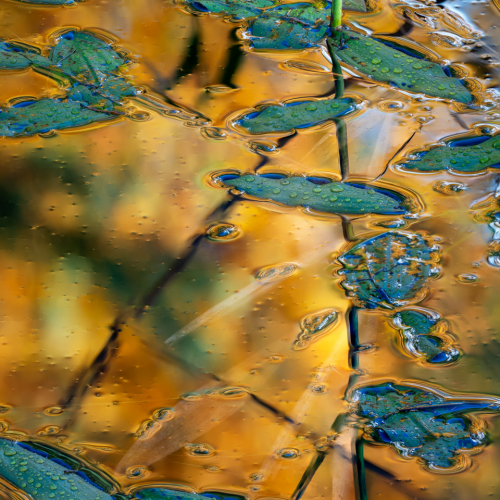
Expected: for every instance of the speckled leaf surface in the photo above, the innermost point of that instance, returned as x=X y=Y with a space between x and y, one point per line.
x=387 y=270
x=41 y=116
x=467 y=159
x=421 y=337
x=384 y=63
x=296 y=115
x=238 y=9
x=418 y=423
x=42 y=478
x=85 y=57
x=16 y=57
x=165 y=494
x=333 y=197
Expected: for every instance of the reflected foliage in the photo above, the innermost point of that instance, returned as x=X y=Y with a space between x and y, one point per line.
x=382 y=61
x=388 y=270
x=327 y=196
x=295 y=115
x=419 y=423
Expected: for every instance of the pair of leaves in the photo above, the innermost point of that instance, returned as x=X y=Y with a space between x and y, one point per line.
x=40 y=477
x=467 y=156
x=420 y=335
x=388 y=270
x=237 y=9
x=319 y=194
x=294 y=115
x=420 y=423
x=97 y=94
x=383 y=62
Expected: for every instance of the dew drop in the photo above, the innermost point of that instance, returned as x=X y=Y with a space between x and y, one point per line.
x=223 y=232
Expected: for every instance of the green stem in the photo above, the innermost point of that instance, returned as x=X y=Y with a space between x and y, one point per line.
x=336 y=19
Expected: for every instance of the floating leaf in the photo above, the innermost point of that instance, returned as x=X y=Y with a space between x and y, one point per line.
x=322 y=195
x=34 y=117
x=383 y=62
x=387 y=270
x=294 y=115
x=419 y=423
x=37 y=475
x=290 y=26
x=237 y=9
x=422 y=337
x=17 y=56
x=85 y=57
x=468 y=155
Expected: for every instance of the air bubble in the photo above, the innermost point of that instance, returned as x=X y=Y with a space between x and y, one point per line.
x=315 y=326
x=216 y=133
x=53 y=411
x=273 y=273
x=200 y=450
x=136 y=472
x=467 y=278
x=449 y=188
x=288 y=453
x=223 y=232
x=390 y=106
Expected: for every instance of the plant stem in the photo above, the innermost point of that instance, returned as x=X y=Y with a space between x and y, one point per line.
x=336 y=18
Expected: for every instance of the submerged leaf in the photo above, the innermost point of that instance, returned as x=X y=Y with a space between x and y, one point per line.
x=34 y=117
x=290 y=116
x=85 y=57
x=419 y=423
x=421 y=337
x=459 y=157
x=328 y=196
x=387 y=270
x=42 y=478
x=383 y=62
x=15 y=56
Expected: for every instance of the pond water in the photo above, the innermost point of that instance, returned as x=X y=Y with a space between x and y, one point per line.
x=224 y=275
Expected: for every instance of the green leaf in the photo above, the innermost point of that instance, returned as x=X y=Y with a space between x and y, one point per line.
x=420 y=336
x=467 y=159
x=17 y=56
x=386 y=64
x=387 y=270
x=291 y=26
x=330 y=197
x=33 y=117
x=290 y=116
x=85 y=57
x=238 y=9
x=418 y=423
x=20 y=466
